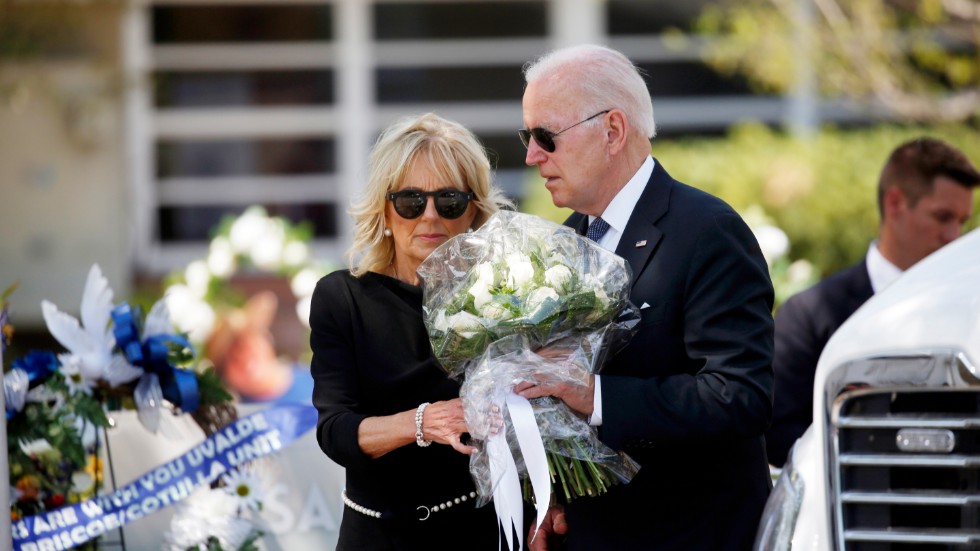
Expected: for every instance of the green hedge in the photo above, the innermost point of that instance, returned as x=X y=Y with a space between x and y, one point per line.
x=820 y=190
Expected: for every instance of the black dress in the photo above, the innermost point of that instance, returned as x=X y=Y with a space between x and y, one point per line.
x=371 y=357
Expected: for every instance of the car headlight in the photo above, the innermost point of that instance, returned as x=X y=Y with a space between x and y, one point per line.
x=782 y=508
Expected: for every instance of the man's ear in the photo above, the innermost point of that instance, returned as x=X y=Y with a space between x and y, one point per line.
x=617 y=129
x=894 y=201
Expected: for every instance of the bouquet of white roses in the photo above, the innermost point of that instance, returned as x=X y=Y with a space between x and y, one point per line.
x=518 y=274
x=492 y=298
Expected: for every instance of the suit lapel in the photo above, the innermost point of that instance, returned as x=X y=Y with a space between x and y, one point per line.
x=579 y=222
x=641 y=236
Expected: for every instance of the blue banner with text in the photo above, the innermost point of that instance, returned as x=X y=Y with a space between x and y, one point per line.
x=243 y=440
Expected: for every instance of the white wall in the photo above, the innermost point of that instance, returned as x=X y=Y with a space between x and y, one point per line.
x=62 y=198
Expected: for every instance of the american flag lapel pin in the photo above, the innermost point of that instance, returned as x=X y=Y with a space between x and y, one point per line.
x=642 y=243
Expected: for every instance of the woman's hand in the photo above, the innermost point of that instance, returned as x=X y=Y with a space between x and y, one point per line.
x=443 y=423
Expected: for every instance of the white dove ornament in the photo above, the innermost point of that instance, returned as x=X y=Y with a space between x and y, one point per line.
x=90 y=343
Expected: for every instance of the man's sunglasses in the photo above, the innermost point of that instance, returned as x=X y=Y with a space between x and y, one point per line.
x=450 y=203
x=546 y=138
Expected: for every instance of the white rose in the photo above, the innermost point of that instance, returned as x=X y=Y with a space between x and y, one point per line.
x=198 y=277
x=539 y=296
x=248 y=228
x=221 y=257
x=266 y=251
x=465 y=323
x=558 y=276
x=496 y=311
x=485 y=273
x=520 y=271
x=481 y=294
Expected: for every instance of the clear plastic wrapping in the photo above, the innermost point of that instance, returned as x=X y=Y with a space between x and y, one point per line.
x=579 y=464
x=525 y=299
x=518 y=274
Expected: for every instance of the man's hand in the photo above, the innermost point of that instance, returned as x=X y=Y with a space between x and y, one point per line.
x=578 y=397
x=553 y=525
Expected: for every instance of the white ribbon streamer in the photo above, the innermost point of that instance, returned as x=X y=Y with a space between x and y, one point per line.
x=507 y=500
x=532 y=448
x=507 y=492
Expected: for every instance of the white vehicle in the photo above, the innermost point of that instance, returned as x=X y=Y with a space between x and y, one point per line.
x=892 y=459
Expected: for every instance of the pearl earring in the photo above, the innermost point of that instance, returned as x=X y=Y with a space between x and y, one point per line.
x=387 y=232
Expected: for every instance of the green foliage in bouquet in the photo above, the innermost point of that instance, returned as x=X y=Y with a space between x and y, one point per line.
x=577 y=463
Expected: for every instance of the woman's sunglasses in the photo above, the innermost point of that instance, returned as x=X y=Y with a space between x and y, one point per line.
x=450 y=203
x=545 y=138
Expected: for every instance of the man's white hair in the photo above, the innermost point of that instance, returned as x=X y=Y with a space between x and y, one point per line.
x=602 y=77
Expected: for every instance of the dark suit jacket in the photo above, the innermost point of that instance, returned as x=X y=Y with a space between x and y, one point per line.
x=691 y=395
x=804 y=324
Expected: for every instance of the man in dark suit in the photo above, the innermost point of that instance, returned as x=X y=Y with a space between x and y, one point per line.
x=690 y=396
x=925 y=195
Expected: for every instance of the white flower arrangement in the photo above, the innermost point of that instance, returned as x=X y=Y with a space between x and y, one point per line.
x=253 y=241
x=114 y=358
x=495 y=296
x=211 y=519
x=527 y=276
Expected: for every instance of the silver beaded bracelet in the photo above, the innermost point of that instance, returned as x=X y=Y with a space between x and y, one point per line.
x=418 y=426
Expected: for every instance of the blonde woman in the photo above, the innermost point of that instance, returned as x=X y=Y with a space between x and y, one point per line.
x=387 y=411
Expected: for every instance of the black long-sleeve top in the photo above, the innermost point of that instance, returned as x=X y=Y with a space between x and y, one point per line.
x=372 y=357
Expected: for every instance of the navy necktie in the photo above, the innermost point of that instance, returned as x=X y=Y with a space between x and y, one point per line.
x=597 y=229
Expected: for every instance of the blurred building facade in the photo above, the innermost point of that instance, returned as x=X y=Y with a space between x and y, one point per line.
x=171 y=114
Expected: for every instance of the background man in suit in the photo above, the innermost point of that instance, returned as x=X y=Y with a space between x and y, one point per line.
x=925 y=195
x=690 y=397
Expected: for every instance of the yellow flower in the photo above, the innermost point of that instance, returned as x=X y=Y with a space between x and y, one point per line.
x=94 y=467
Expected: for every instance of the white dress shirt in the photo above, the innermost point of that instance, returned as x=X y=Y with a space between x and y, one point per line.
x=617 y=214
x=880 y=270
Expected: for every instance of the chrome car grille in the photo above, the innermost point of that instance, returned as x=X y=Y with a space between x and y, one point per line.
x=906 y=467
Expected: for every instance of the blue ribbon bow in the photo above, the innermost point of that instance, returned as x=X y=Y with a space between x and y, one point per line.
x=179 y=385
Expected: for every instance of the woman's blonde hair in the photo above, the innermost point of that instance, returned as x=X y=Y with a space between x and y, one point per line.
x=452 y=151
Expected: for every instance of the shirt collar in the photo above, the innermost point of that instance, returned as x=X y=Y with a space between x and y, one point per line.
x=617 y=214
x=880 y=270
